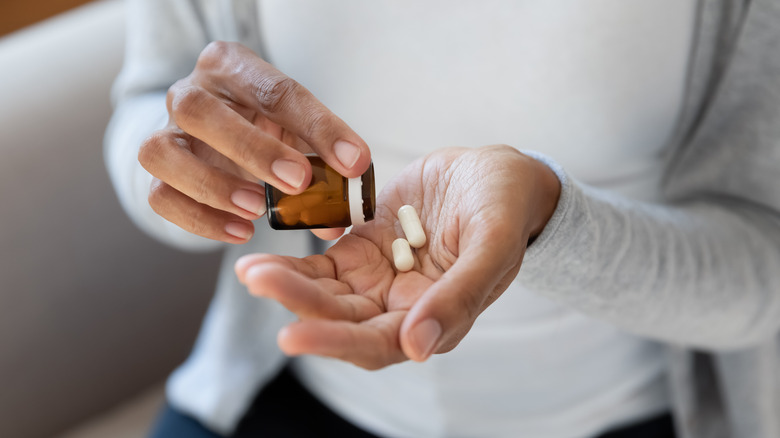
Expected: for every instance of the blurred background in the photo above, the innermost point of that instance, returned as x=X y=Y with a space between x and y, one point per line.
x=93 y=314
x=16 y=14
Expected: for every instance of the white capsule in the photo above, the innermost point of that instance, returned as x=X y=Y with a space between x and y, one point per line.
x=402 y=255
x=411 y=225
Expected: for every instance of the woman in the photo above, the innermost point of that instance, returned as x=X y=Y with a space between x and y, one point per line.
x=646 y=228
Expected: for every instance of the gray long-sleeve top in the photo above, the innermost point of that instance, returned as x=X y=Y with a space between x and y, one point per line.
x=699 y=271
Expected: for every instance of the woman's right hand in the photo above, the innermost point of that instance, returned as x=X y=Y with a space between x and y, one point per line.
x=233 y=122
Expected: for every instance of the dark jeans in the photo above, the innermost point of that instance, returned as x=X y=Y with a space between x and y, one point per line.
x=285 y=409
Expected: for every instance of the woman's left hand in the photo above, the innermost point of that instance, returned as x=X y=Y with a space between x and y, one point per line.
x=479 y=209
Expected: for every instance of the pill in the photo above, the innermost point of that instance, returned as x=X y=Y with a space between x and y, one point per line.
x=402 y=255
x=411 y=225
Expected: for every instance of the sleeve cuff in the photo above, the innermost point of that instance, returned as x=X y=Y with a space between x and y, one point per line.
x=544 y=248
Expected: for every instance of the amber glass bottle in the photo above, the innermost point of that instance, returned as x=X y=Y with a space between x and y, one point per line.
x=330 y=201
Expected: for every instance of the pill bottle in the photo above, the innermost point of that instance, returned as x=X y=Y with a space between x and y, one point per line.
x=330 y=201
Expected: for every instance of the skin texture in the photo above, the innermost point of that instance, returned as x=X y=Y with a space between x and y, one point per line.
x=479 y=208
x=233 y=122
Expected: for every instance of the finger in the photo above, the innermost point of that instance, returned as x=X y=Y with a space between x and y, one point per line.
x=236 y=72
x=198 y=218
x=315 y=266
x=328 y=233
x=202 y=115
x=167 y=157
x=372 y=344
x=447 y=310
x=306 y=297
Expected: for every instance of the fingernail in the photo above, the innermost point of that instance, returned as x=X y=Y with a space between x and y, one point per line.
x=238 y=229
x=347 y=153
x=425 y=336
x=288 y=171
x=249 y=200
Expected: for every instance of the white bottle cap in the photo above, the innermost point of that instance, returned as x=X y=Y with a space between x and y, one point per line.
x=355 y=195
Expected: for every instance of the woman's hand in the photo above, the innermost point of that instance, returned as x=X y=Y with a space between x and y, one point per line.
x=233 y=122
x=479 y=208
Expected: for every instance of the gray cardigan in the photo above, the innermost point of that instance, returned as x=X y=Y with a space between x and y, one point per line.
x=700 y=271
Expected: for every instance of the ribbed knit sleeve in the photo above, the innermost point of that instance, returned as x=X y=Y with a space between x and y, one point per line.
x=703 y=268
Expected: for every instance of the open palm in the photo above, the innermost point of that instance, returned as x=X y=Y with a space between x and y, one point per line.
x=478 y=207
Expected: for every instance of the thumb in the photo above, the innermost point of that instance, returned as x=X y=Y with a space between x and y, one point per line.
x=443 y=315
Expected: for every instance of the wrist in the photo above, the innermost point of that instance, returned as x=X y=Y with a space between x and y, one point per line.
x=547 y=191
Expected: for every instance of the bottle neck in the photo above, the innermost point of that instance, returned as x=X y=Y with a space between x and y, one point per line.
x=355 y=195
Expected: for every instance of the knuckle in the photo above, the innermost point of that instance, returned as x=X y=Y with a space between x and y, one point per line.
x=251 y=153
x=214 y=54
x=156 y=196
x=174 y=90
x=272 y=92
x=188 y=103
x=197 y=222
x=203 y=187
x=247 y=157
x=319 y=124
x=151 y=148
